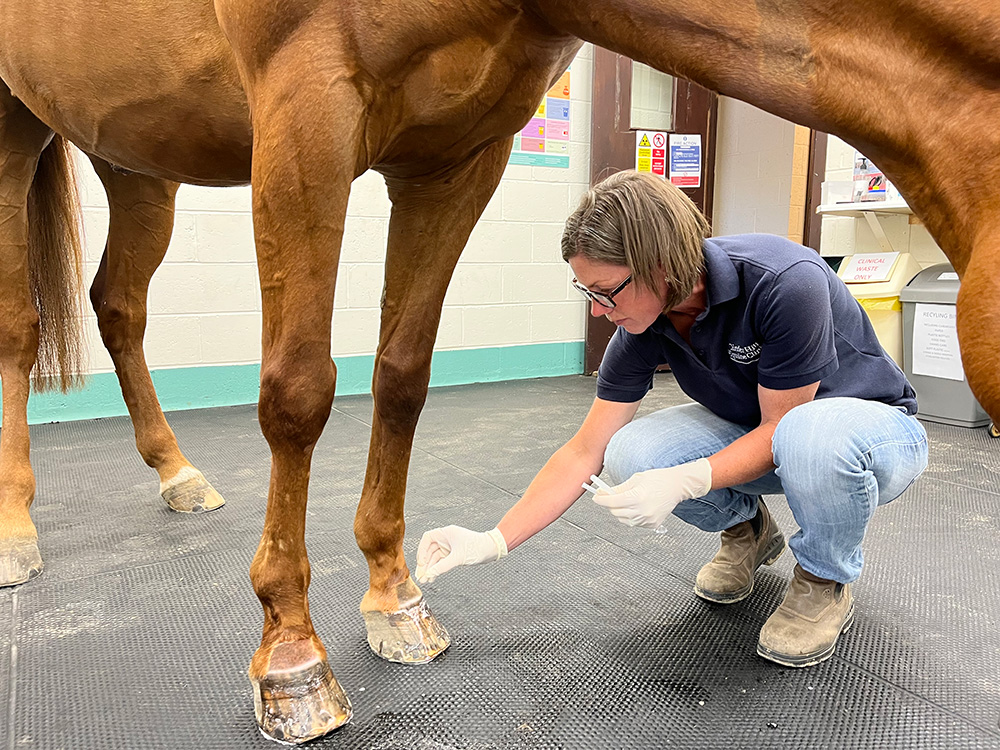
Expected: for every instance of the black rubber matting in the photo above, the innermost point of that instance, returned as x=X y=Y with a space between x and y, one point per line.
x=139 y=631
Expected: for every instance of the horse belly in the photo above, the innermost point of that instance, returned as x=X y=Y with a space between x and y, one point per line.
x=150 y=87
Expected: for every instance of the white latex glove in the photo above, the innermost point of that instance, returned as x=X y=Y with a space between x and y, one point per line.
x=648 y=497
x=446 y=548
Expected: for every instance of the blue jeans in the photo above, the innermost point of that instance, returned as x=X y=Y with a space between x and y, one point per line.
x=837 y=460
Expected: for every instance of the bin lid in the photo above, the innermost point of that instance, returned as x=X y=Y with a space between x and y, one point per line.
x=938 y=283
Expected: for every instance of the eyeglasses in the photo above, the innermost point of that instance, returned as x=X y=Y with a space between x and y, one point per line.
x=604 y=299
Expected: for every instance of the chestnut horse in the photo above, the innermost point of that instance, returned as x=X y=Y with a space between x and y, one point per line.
x=299 y=98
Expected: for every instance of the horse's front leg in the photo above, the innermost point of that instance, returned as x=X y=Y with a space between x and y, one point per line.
x=141 y=221
x=978 y=312
x=307 y=123
x=430 y=224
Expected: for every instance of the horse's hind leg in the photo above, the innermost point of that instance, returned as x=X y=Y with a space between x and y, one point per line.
x=430 y=224
x=141 y=222
x=22 y=140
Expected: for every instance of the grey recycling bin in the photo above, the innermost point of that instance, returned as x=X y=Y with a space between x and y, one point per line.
x=931 y=359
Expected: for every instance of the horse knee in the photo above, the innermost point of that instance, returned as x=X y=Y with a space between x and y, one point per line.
x=296 y=396
x=400 y=389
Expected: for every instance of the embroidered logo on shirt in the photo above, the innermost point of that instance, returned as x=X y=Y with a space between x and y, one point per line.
x=744 y=355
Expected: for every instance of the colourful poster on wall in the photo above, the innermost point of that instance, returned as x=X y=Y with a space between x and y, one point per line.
x=544 y=141
x=651 y=152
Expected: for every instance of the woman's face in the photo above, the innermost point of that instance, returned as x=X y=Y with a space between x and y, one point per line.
x=636 y=306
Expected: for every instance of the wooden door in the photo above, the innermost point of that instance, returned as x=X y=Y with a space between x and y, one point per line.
x=612 y=149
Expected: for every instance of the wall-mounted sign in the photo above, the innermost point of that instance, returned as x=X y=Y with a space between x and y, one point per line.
x=685 y=160
x=544 y=141
x=651 y=152
x=868 y=267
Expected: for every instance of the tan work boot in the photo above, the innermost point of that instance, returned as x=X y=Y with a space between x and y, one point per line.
x=728 y=577
x=804 y=630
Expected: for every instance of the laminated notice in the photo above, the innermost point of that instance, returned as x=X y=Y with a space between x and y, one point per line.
x=935 y=342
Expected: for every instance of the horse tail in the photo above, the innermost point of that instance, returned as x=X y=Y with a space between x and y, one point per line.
x=55 y=260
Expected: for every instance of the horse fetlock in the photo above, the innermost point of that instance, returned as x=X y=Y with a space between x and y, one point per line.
x=401 y=627
x=296 y=696
x=281 y=585
x=189 y=492
x=380 y=537
x=16 y=495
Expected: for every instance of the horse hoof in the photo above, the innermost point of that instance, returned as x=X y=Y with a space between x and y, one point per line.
x=20 y=561
x=190 y=492
x=408 y=635
x=298 y=699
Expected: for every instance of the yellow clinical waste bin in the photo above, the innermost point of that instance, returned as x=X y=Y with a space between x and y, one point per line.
x=880 y=299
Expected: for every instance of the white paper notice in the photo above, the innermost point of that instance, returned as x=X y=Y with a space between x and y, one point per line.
x=935 y=342
x=685 y=159
x=871 y=267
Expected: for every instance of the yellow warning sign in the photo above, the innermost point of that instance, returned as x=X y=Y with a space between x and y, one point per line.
x=650 y=154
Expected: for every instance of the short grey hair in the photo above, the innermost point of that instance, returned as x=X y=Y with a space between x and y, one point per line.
x=643 y=222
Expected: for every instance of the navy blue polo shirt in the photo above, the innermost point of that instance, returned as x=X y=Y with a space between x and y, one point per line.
x=777 y=316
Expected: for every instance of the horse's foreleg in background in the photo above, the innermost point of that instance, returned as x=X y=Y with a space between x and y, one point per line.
x=979 y=325
x=307 y=123
x=429 y=227
x=141 y=222
x=22 y=139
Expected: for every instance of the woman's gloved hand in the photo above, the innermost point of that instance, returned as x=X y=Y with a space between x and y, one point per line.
x=448 y=547
x=648 y=497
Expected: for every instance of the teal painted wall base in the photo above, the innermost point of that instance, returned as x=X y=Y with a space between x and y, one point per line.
x=229 y=385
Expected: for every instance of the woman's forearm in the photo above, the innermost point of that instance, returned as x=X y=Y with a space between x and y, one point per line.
x=553 y=490
x=743 y=460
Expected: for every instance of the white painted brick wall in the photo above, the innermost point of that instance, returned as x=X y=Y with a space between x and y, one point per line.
x=497 y=325
x=556 y=321
x=753 y=170
x=510 y=288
